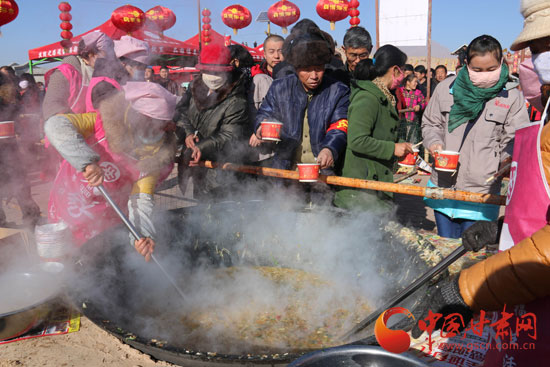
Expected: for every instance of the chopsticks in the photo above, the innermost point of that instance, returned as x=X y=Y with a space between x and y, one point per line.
x=500 y=172
x=418 y=144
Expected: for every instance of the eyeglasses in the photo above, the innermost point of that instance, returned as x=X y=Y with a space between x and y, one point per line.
x=352 y=56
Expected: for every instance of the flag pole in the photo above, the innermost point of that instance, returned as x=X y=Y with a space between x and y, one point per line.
x=377 y=11
x=199 y=23
x=429 y=61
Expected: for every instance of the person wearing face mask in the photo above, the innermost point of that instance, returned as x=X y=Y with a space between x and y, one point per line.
x=109 y=75
x=213 y=116
x=373 y=126
x=127 y=150
x=476 y=114
x=518 y=276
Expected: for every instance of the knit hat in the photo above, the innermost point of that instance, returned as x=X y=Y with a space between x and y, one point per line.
x=309 y=49
x=151 y=99
x=536 y=24
x=133 y=49
x=214 y=57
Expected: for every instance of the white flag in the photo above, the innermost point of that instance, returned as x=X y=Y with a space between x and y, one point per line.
x=403 y=22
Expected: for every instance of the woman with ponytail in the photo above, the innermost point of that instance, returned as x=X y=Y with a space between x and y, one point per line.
x=373 y=121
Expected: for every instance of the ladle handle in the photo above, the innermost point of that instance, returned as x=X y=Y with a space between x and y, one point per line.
x=133 y=230
x=443 y=264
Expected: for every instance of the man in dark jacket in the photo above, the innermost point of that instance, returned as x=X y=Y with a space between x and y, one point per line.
x=213 y=117
x=312 y=108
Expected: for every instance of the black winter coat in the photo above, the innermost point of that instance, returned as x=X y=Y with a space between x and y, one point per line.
x=219 y=118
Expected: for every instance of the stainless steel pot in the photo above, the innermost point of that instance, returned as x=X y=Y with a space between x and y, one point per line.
x=25 y=300
x=356 y=356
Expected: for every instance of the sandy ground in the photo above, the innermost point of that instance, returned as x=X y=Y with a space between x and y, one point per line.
x=92 y=346
x=89 y=347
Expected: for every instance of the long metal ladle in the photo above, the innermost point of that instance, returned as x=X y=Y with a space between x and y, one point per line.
x=136 y=235
x=444 y=264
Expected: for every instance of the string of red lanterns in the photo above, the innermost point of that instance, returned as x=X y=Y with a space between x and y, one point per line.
x=332 y=10
x=354 y=13
x=236 y=17
x=283 y=13
x=206 y=27
x=128 y=18
x=66 y=26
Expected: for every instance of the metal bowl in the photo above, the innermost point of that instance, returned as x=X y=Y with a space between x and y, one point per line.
x=25 y=301
x=356 y=356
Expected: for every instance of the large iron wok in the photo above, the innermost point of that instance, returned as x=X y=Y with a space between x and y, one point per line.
x=196 y=235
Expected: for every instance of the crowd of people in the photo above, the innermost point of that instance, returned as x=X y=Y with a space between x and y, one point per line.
x=109 y=121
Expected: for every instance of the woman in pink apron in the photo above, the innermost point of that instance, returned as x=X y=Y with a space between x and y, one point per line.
x=67 y=84
x=126 y=149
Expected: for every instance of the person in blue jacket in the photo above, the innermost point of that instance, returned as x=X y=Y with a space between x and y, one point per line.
x=312 y=107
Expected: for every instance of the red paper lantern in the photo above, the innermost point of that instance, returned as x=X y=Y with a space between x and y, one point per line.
x=354 y=13
x=332 y=10
x=64 y=7
x=66 y=17
x=283 y=13
x=66 y=44
x=128 y=18
x=66 y=26
x=206 y=27
x=67 y=35
x=160 y=18
x=236 y=17
x=206 y=13
x=8 y=11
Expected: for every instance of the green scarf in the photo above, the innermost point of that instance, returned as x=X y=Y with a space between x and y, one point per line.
x=469 y=99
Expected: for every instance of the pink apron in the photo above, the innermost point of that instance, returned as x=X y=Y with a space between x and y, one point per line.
x=527 y=204
x=81 y=206
x=77 y=91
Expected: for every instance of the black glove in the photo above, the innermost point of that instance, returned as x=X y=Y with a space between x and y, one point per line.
x=442 y=298
x=481 y=234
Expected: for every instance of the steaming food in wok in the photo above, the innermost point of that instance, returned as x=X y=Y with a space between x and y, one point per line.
x=292 y=310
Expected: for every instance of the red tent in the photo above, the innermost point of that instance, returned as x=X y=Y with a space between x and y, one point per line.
x=218 y=38
x=160 y=45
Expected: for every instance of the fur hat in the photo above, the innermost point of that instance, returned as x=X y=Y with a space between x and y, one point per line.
x=214 y=57
x=309 y=49
x=536 y=24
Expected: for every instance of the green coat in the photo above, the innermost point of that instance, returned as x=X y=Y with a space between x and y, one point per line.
x=372 y=134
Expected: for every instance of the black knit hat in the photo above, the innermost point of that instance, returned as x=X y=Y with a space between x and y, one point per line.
x=309 y=49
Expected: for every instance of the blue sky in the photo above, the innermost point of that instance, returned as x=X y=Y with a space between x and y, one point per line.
x=454 y=22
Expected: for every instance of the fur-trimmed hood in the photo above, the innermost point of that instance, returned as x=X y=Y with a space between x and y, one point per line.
x=121 y=138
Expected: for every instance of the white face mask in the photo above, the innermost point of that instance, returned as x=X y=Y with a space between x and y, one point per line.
x=541 y=63
x=214 y=82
